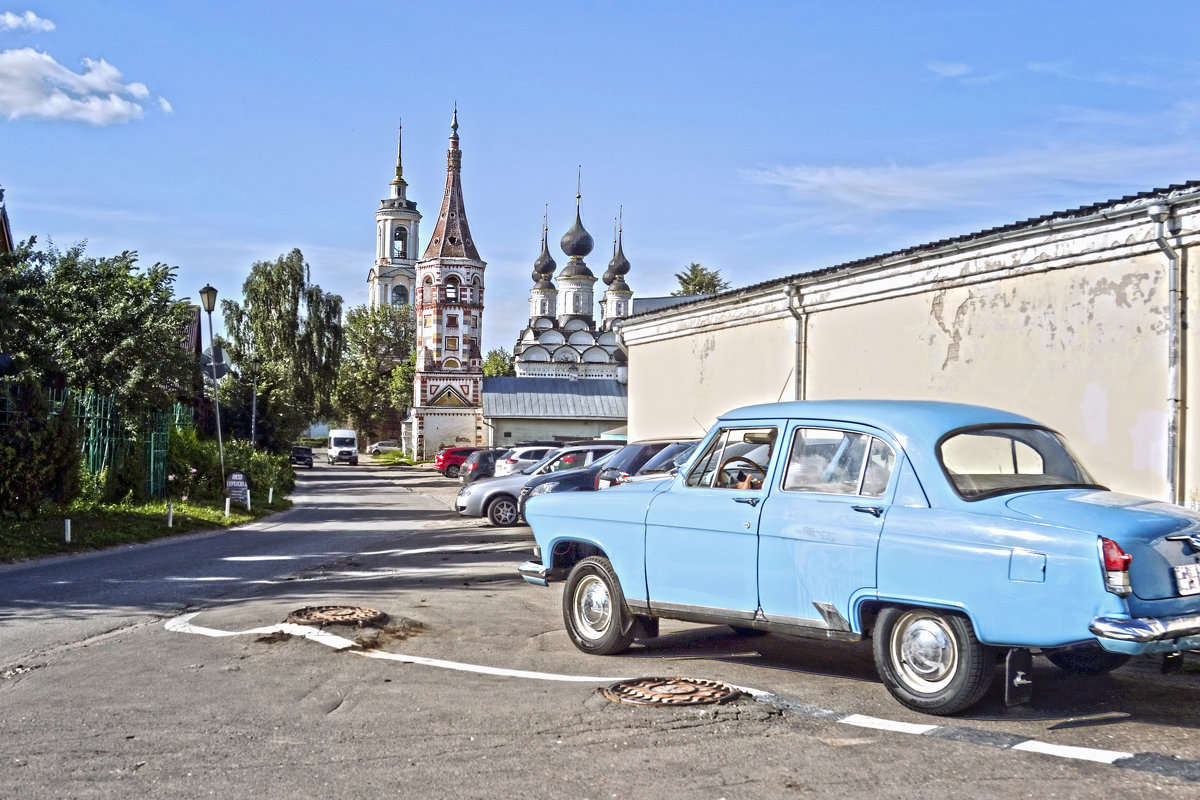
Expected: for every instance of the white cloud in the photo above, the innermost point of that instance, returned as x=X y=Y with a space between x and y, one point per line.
x=983 y=182
x=33 y=84
x=28 y=21
x=165 y=105
x=945 y=69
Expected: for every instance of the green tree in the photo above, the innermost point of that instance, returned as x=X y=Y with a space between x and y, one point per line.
x=25 y=350
x=699 y=280
x=294 y=329
x=377 y=341
x=116 y=329
x=499 y=364
x=400 y=385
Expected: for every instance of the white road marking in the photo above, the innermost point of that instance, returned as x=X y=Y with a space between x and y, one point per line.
x=1066 y=751
x=861 y=721
x=183 y=624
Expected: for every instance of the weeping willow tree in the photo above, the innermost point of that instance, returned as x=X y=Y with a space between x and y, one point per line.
x=293 y=330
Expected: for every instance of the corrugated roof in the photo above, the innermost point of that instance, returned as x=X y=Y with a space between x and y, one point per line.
x=561 y=398
x=1082 y=211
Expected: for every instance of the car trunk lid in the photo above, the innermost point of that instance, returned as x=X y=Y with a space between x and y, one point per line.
x=1159 y=536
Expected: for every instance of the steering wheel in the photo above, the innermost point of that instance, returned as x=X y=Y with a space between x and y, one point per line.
x=754 y=466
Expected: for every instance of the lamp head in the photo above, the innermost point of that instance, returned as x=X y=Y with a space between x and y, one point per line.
x=208 y=298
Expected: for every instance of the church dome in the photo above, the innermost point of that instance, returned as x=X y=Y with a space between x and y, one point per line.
x=577 y=242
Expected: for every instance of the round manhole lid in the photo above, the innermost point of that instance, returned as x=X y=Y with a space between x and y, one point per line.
x=336 y=615
x=670 y=692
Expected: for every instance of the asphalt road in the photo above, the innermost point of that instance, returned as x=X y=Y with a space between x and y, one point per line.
x=163 y=671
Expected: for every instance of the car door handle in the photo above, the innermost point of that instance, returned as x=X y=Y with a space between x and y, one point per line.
x=751 y=501
x=874 y=511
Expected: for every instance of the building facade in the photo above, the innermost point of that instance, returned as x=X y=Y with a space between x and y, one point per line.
x=448 y=307
x=1074 y=319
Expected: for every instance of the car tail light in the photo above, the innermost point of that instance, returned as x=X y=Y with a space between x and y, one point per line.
x=1116 y=567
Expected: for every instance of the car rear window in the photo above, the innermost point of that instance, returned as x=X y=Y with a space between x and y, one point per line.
x=987 y=461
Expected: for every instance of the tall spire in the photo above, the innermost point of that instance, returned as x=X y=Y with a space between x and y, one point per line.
x=399 y=149
x=451 y=236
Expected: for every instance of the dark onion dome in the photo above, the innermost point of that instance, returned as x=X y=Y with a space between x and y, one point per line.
x=617 y=268
x=577 y=242
x=618 y=284
x=543 y=268
x=619 y=356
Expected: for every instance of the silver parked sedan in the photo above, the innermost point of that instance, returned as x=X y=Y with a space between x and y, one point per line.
x=496 y=498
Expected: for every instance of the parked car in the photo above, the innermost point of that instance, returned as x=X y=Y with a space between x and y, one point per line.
x=952 y=536
x=519 y=458
x=663 y=465
x=386 y=446
x=480 y=464
x=449 y=460
x=576 y=480
x=496 y=498
x=634 y=456
x=301 y=455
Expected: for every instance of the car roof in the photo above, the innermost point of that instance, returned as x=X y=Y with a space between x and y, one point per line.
x=923 y=420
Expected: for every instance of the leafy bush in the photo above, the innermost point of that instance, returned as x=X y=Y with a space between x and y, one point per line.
x=265 y=470
x=193 y=465
x=39 y=454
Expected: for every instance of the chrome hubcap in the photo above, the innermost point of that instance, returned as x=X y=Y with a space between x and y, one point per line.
x=924 y=651
x=593 y=607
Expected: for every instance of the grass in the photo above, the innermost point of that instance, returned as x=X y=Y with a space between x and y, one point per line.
x=396 y=459
x=124 y=523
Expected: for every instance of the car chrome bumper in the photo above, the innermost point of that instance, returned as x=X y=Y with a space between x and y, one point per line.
x=535 y=573
x=1146 y=629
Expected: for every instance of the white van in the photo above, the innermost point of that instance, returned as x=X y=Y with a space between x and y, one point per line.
x=343 y=446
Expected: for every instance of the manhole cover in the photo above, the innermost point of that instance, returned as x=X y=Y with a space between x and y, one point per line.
x=336 y=615
x=670 y=692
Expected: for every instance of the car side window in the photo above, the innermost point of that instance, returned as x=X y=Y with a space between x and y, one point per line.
x=736 y=458
x=831 y=461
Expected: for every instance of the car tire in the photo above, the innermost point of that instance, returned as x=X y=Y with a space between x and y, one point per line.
x=930 y=660
x=451 y=471
x=502 y=511
x=1090 y=660
x=594 y=608
x=354 y=462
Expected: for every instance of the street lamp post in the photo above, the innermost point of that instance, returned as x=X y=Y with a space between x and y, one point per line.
x=254 y=366
x=208 y=298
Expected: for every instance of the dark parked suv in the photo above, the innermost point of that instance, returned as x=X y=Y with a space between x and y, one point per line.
x=302 y=455
x=480 y=464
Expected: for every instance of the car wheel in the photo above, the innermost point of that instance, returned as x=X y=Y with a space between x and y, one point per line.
x=502 y=511
x=1090 y=660
x=452 y=471
x=594 y=608
x=354 y=462
x=930 y=660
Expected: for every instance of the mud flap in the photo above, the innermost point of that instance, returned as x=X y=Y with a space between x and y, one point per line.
x=641 y=627
x=1018 y=674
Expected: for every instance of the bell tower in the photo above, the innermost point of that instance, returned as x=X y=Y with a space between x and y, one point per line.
x=447 y=390
x=392 y=281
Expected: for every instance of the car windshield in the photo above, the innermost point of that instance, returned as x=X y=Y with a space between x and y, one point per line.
x=342 y=441
x=667 y=458
x=988 y=461
x=532 y=468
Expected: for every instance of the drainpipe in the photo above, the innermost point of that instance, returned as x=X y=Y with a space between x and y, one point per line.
x=795 y=304
x=1160 y=214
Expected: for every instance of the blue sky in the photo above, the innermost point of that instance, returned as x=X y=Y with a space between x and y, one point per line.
x=760 y=138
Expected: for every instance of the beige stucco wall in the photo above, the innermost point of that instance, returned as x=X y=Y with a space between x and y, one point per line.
x=1064 y=322
x=1082 y=350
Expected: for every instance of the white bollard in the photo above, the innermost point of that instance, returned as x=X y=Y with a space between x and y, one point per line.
x=170 y=514
x=67 y=531
x=227 y=506
x=247 y=499
x=271 y=496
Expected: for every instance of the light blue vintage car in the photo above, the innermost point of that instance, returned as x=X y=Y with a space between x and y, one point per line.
x=954 y=536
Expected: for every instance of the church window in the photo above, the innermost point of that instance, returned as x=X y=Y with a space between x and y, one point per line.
x=452 y=320
x=578 y=303
x=545 y=307
x=428 y=322
x=399 y=295
x=400 y=243
x=451 y=342
x=451 y=289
